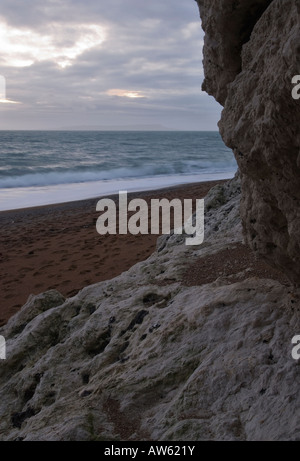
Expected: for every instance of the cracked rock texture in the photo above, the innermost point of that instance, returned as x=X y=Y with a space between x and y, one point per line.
x=145 y=357
x=251 y=53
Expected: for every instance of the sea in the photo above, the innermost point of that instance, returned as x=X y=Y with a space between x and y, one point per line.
x=47 y=167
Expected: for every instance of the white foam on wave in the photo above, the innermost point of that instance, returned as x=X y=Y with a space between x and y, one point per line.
x=25 y=197
x=52 y=178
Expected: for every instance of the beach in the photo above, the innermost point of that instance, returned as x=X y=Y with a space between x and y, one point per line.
x=58 y=247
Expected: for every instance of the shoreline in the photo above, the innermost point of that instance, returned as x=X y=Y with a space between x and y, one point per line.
x=17 y=198
x=57 y=246
x=113 y=196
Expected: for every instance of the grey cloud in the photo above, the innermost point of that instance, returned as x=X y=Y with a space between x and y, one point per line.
x=148 y=49
x=37 y=13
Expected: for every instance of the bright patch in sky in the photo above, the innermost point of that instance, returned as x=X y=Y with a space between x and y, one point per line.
x=125 y=93
x=8 y=101
x=60 y=44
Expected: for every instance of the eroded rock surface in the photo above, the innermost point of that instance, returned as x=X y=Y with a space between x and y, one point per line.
x=251 y=53
x=145 y=357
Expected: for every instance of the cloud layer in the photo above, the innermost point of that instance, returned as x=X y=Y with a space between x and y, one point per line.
x=76 y=63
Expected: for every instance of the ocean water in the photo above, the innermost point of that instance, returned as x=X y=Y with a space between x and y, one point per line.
x=45 y=167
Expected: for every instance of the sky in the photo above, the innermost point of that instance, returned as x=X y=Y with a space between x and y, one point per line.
x=71 y=64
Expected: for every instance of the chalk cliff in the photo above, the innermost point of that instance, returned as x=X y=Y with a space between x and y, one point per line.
x=251 y=53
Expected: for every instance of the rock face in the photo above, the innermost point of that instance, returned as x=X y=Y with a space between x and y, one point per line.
x=146 y=357
x=251 y=53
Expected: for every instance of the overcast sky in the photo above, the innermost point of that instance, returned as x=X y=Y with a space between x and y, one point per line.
x=75 y=63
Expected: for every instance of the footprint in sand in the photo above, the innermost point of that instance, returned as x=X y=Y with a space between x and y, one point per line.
x=72 y=267
x=26 y=269
x=8 y=296
x=8 y=282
